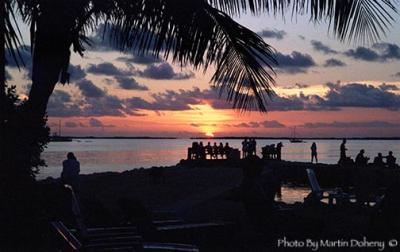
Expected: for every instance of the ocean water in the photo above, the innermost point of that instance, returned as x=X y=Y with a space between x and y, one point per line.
x=100 y=155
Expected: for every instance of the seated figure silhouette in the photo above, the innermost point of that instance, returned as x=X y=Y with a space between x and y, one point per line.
x=227 y=149
x=208 y=149
x=70 y=171
x=391 y=160
x=378 y=160
x=215 y=151
x=360 y=159
x=193 y=152
x=221 y=150
x=201 y=151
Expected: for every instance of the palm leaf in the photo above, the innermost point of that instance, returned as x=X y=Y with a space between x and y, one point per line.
x=198 y=32
x=361 y=21
x=200 y=35
x=12 y=35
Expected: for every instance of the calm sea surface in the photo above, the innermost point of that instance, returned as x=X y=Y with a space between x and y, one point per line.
x=99 y=155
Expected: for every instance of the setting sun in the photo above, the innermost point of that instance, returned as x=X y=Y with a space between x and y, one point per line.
x=209 y=134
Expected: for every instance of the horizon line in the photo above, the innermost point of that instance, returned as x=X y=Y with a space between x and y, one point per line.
x=232 y=137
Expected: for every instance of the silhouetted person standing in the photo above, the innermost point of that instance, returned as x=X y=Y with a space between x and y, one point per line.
x=253 y=147
x=314 y=152
x=391 y=160
x=244 y=147
x=70 y=172
x=279 y=151
x=343 y=150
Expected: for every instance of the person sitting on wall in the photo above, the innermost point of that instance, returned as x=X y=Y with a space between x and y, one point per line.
x=215 y=151
x=378 y=160
x=221 y=150
x=201 y=151
x=70 y=171
x=208 y=149
x=391 y=160
x=227 y=149
x=360 y=159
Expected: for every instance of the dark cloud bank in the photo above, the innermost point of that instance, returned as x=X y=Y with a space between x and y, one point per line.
x=97 y=102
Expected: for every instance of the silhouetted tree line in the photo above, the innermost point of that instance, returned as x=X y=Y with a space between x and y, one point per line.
x=24 y=137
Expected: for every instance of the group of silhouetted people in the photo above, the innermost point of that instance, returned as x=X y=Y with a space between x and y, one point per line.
x=199 y=151
x=249 y=147
x=272 y=152
x=362 y=160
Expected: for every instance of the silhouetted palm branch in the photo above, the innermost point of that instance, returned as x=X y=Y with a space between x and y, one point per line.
x=201 y=35
x=12 y=35
x=198 y=32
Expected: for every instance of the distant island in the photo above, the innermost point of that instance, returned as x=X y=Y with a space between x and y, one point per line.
x=118 y=137
x=232 y=137
x=304 y=138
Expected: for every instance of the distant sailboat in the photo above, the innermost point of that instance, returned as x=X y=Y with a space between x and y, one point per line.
x=57 y=137
x=294 y=139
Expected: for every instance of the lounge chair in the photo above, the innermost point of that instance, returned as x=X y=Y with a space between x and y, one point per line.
x=317 y=193
x=173 y=229
x=107 y=238
x=114 y=242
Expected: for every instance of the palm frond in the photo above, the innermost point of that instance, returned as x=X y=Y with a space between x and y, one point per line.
x=236 y=7
x=200 y=35
x=196 y=32
x=12 y=35
x=361 y=21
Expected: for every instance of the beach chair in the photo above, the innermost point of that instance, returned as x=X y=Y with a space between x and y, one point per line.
x=117 y=241
x=104 y=242
x=126 y=236
x=172 y=229
x=317 y=193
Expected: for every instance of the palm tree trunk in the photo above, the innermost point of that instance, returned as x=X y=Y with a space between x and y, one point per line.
x=51 y=55
x=46 y=74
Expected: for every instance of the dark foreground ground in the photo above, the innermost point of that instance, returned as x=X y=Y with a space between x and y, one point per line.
x=204 y=192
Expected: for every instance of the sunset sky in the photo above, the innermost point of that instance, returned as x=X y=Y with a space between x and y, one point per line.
x=325 y=88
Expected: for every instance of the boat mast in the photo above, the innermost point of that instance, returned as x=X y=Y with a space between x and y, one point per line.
x=59 y=127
